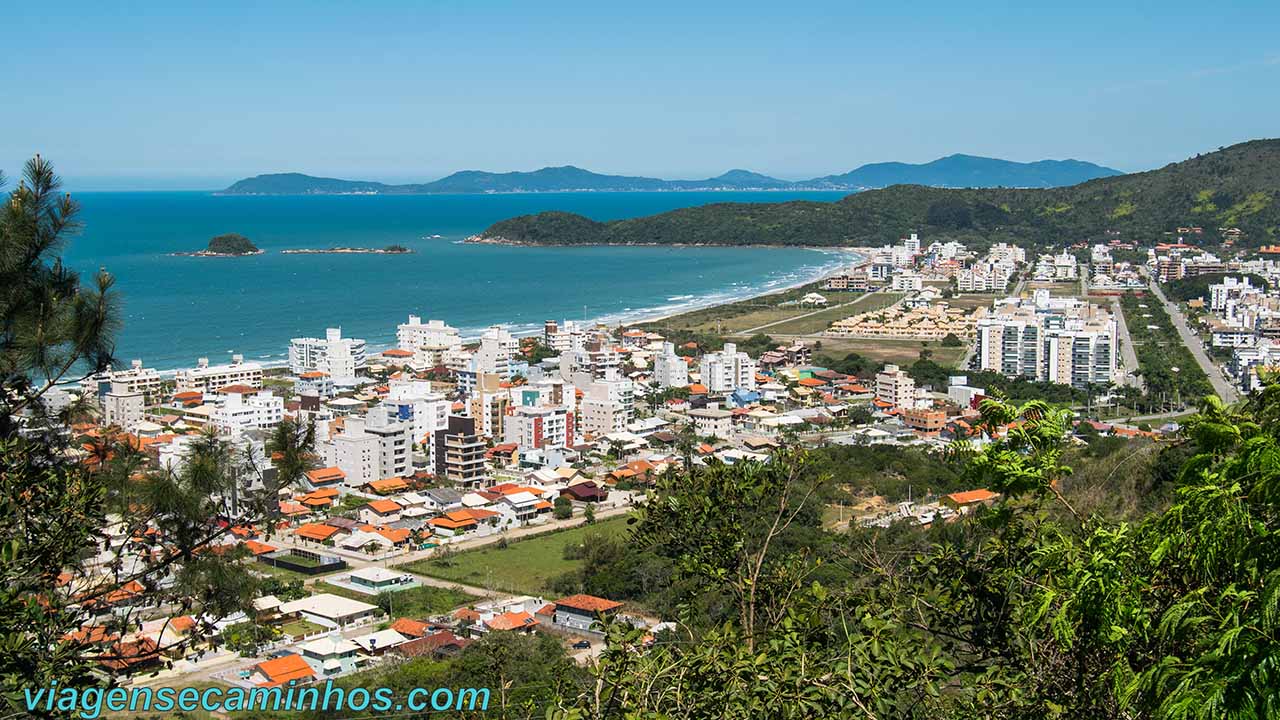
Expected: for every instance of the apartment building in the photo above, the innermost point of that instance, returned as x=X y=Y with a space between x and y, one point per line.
x=563 y=338
x=241 y=408
x=540 y=427
x=608 y=404
x=906 y=281
x=496 y=350
x=205 y=378
x=488 y=404
x=136 y=379
x=727 y=370
x=669 y=369
x=895 y=387
x=413 y=402
x=416 y=334
x=712 y=422
x=1061 y=341
x=371 y=448
x=343 y=358
x=123 y=407
x=459 y=453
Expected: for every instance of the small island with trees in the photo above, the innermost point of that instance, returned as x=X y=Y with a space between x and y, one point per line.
x=388 y=250
x=226 y=245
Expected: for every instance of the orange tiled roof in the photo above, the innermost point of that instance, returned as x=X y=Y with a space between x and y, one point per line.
x=588 y=603
x=259 y=548
x=697 y=389
x=395 y=535
x=281 y=670
x=971 y=496
x=384 y=507
x=511 y=621
x=411 y=628
x=388 y=485
x=316 y=531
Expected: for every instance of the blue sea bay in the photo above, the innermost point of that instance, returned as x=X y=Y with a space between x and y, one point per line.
x=176 y=309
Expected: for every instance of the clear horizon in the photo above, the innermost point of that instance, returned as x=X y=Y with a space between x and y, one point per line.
x=171 y=97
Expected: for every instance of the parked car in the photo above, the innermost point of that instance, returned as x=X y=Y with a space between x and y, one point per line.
x=582 y=645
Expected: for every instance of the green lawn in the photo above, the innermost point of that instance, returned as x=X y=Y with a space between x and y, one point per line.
x=298 y=628
x=418 y=602
x=820 y=321
x=524 y=566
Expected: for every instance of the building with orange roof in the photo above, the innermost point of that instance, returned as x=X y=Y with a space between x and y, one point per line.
x=396 y=536
x=293 y=509
x=132 y=656
x=381 y=512
x=583 y=612
x=326 y=477
x=521 y=622
x=453 y=524
x=965 y=501
x=411 y=628
x=259 y=548
x=316 y=532
x=286 y=669
x=387 y=486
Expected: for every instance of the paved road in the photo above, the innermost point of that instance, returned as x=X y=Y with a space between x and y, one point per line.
x=758 y=328
x=1128 y=356
x=1221 y=386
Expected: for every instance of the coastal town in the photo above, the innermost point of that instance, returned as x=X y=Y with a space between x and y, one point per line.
x=434 y=457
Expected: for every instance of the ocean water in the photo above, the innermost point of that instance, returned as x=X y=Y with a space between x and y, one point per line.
x=176 y=309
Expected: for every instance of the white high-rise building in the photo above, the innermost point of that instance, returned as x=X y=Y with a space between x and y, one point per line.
x=341 y=357
x=727 y=370
x=371 y=448
x=563 y=338
x=497 y=348
x=136 y=379
x=122 y=407
x=415 y=333
x=608 y=403
x=533 y=427
x=206 y=378
x=241 y=408
x=669 y=369
x=1050 y=339
x=413 y=402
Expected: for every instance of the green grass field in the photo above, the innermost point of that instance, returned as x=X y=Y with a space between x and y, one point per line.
x=891 y=350
x=525 y=566
x=418 y=602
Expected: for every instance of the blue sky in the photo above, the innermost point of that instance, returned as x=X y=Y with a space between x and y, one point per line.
x=170 y=96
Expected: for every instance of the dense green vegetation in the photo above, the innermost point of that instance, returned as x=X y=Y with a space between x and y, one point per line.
x=1198 y=286
x=1170 y=373
x=231 y=244
x=1236 y=186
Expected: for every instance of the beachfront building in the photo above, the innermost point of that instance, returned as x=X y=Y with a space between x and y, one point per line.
x=137 y=379
x=416 y=334
x=563 y=337
x=727 y=370
x=205 y=378
x=343 y=358
x=669 y=369
x=240 y=408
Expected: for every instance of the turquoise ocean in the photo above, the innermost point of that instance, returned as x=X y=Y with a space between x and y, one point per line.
x=176 y=309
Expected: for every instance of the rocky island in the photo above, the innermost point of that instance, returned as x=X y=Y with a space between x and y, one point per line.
x=226 y=245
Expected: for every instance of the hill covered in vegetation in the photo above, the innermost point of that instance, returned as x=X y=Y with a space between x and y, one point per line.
x=1238 y=186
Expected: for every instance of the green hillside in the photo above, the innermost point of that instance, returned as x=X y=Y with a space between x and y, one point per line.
x=1236 y=186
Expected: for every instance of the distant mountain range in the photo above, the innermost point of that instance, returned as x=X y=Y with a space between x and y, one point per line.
x=1234 y=187
x=951 y=171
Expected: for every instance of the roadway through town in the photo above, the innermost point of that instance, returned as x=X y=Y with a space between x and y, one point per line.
x=1221 y=386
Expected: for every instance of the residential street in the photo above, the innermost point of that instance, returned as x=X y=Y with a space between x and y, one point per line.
x=1221 y=386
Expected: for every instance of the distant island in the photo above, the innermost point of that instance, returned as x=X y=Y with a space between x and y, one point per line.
x=951 y=171
x=388 y=250
x=227 y=245
x=1234 y=187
